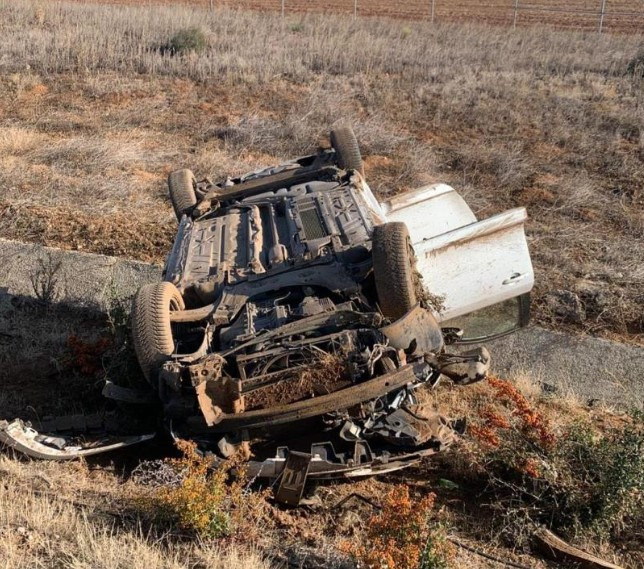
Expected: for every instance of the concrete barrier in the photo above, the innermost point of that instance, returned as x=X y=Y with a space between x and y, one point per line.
x=70 y=277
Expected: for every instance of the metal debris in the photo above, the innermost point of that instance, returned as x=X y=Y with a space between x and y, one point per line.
x=293 y=478
x=292 y=324
x=23 y=438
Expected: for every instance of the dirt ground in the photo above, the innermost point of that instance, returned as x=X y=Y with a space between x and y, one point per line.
x=88 y=136
x=619 y=15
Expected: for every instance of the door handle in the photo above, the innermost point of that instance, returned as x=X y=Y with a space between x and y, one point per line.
x=515 y=278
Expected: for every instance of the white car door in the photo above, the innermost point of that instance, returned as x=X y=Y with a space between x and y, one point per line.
x=470 y=264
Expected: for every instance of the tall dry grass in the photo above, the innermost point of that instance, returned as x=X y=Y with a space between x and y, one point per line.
x=246 y=46
x=93 y=115
x=54 y=515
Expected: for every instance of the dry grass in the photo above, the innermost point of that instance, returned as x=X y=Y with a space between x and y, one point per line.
x=64 y=515
x=95 y=515
x=72 y=515
x=572 y=14
x=532 y=457
x=93 y=116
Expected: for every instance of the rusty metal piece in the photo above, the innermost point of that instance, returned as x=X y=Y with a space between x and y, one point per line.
x=417 y=332
x=206 y=369
x=215 y=394
x=293 y=478
x=313 y=407
x=211 y=412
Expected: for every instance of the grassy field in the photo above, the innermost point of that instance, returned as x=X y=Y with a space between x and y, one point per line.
x=531 y=457
x=94 y=113
x=619 y=15
x=95 y=110
x=75 y=515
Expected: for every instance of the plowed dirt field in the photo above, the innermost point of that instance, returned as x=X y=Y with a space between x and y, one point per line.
x=619 y=15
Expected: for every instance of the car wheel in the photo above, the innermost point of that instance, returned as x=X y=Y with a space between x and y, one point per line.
x=181 y=184
x=151 y=328
x=346 y=147
x=393 y=269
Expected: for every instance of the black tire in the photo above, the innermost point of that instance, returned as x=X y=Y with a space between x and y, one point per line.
x=345 y=144
x=393 y=269
x=151 y=328
x=181 y=184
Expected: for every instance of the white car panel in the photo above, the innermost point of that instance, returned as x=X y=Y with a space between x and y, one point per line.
x=477 y=265
x=429 y=211
x=470 y=264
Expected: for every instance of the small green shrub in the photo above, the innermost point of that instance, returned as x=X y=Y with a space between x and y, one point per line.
x=635 y=66
x=580 y=479
x=206 y=501
x=606 y=478
x=186 y=41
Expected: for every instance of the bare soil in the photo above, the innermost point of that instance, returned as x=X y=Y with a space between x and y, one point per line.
x=325 y=376
x=619 y=15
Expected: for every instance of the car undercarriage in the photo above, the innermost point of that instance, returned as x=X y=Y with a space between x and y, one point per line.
x=298 y=318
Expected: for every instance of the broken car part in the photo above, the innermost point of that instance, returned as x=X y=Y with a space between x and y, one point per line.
x=294 y=303
x=21 y=437
x=467 y=367
x=293 y=478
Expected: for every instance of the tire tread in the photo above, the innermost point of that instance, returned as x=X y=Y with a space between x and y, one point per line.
x=151 y=329
x=347 y=149
x=393 y=269
x=182 y=191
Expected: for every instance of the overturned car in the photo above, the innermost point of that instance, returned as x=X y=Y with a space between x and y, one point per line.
x=298 y=316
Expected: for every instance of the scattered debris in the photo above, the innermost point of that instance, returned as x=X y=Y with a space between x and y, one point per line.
x=26 y=440
x=557 y=549
x=298 y=316
x=360 y=497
